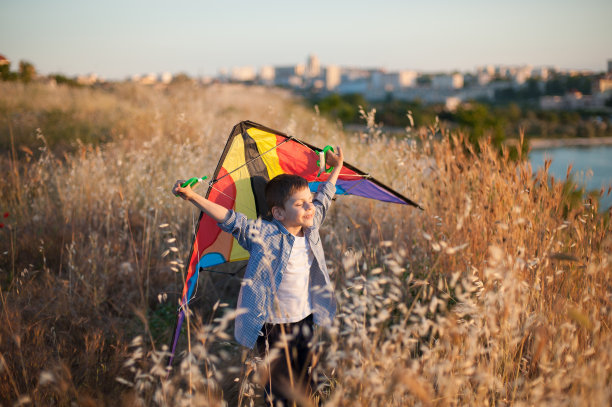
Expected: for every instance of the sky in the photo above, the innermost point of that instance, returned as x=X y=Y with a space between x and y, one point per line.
x=116 y=39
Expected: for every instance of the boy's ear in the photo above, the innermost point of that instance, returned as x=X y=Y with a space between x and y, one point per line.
x=278 y=213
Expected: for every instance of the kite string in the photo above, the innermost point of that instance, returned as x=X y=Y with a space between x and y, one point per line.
x=255 y=158
x=354 y=185
x=210 y=184
x=289 y=138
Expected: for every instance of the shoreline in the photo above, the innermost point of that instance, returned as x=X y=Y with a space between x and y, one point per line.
x=540 y=143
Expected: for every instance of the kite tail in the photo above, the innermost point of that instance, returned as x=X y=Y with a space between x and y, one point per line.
x=188 y=292
x=177 y=332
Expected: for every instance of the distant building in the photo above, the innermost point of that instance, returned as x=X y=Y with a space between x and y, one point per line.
x=351 y=74
x=486 y=69
x=541 y=72
x=483 y=78
x=580 y=72
x=477 y=93
x=502 y=71
x=521 y=74
x=243 y=74
x=454 y=81
x=289 y=75
x=87 y=79
x=223 y=75
x=603 y=85
x=448 y=97
x=165 y=78
x=205 y=80
x=300 y=70
x=332 y=77
x=451 y=103
x=266 y=75
x=447 y=89
x=313 y=67
x=407 y=79
x=384 y=82
x=571 y=101
x=150 y=79
x=318 y=84
x=350 y=86
x=551 y=102
x=4 y=61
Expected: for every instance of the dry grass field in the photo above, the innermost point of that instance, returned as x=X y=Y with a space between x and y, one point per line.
x=498 y=293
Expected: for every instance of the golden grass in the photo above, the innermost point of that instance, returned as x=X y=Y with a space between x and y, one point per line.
x=493 y=295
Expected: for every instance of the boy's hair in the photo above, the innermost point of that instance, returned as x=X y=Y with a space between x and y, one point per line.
x=281 y=187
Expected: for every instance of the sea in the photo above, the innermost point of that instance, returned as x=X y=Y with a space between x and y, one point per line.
x=591 y=166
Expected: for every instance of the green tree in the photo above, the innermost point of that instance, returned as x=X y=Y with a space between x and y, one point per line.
x=424 y=80
x=531 y=90
x=64 y=80
x=345 y=108
x=355 y=99
x=555 y=87
x=581 y=83
x=27 y=72
x=514 y=113
x=479 y=121
x=182 y=78
x=6 y=74
x=5 y=71
x=572 y=118
x=506 y=94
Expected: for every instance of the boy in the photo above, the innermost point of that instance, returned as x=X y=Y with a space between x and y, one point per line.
x=286 y=286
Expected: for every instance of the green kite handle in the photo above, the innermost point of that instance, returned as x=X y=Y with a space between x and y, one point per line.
x=192 y=181
x=324 y=151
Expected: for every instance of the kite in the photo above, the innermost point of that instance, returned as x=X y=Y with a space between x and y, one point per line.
x=252 y=156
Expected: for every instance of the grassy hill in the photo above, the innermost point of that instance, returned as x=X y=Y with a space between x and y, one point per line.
x=497 y=293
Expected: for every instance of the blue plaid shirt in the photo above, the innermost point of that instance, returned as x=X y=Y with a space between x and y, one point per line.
x=269 y=245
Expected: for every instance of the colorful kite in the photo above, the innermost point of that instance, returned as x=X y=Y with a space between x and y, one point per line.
x=253 y=155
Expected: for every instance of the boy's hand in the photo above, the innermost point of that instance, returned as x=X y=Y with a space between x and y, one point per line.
x=334 y=160
x=185 y=192
x=212 y=209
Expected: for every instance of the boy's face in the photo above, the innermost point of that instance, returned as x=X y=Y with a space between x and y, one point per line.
x=298 y=212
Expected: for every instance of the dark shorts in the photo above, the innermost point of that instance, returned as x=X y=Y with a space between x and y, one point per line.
x=283 y=371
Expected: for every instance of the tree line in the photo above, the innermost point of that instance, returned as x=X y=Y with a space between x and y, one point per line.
x=25 y=73
x=477 y=118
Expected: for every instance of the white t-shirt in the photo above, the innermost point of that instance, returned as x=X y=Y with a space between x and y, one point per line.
x=293 y=293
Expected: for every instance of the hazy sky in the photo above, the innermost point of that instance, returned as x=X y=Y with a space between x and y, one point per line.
x=119 y=38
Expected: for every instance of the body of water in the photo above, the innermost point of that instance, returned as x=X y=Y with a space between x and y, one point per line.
x=590 y=165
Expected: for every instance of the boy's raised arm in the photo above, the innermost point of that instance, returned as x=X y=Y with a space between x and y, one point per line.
x=214 y=210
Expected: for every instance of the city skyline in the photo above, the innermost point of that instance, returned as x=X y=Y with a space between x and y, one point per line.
x=117 y=40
